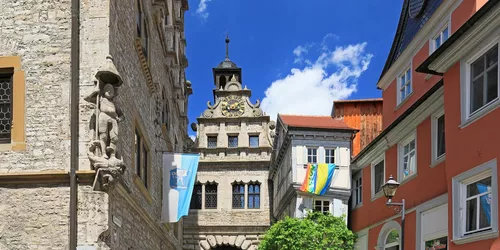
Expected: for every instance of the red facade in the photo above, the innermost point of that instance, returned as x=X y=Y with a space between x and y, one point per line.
x=441 y=139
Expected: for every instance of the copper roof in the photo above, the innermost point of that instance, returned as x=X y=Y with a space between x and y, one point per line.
x=360 y=100
x=309 y=121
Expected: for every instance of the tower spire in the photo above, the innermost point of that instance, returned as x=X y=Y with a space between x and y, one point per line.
x=227 y=45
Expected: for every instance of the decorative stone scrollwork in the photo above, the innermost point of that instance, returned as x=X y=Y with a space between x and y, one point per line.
x=104 y=127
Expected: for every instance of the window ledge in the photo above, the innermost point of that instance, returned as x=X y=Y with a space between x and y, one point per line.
x=408 y=179
x=142 y=188
x=484 y=111
x=475 y=237
x=377 y=195
x=403 y=101
x=438 y=161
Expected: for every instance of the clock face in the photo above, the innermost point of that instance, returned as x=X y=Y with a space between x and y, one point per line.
x=233 y=106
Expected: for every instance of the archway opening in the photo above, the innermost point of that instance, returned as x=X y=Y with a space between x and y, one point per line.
x=226 y=248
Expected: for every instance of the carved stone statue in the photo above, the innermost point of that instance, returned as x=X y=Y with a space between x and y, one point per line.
x=104 y=127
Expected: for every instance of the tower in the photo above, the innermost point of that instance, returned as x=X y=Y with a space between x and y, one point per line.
x=230 y=204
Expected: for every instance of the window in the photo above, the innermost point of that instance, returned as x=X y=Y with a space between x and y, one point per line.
x=483 y=87
x=312 y=155
x=322 y=206
x=439 y=243
x=358 y=184
x=475 y=199
x=438 y=136
x=407 y=158
x=197 y=197
x=5 y=107
x=142 y=29
x=440 y=38
x=330 y=156
x=478 y=206
x=254 y=195
x=378 y=176
x=404 y=83
x=232 y=141
x=212 y=141
x=141 y=158
x=211 y=195
x=254 y=141
x=392 y=240
x=238 y=195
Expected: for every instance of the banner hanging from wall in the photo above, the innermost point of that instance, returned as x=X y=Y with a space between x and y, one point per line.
x=318 y=178
x=179 y=175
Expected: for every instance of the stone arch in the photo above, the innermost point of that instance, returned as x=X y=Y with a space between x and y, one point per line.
x=212 y=242
x=384 y=232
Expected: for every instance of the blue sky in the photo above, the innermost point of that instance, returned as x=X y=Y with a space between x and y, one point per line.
x=296 y=56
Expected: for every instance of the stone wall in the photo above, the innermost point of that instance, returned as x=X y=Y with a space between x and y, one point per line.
x=36 y=216
x=39 y=32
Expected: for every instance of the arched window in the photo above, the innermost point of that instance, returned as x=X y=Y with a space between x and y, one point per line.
x=222 y=82
x=389 y=237
x=211 y=195
x=238 y=195
x=392 y=240
x=196 y=198
x=254 y=195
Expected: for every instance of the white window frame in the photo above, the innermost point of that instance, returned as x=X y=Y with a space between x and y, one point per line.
x=436 y=159
x=407 y=140
x=307 y=154
x=424 y=208
x=398 y=82
x=372 y=173
x=439 y=33
x=384 y=233
x=459 y=185
x=465 y=82
x=323 y=205
x=355 y=189
x=334 y=151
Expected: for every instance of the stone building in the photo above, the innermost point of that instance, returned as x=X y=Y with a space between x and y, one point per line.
x=230 y=203
x=119 y=211
x=302 y=140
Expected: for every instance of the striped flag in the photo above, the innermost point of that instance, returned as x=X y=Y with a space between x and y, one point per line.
x=318 y=178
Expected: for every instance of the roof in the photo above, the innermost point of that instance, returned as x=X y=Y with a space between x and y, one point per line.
x=424 y=67
x=227 y=64
x=309 y=121
x=399 y=120
x=414 y=15
x=359 y=100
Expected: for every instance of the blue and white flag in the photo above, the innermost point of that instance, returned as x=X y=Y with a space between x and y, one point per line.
x=179 y=174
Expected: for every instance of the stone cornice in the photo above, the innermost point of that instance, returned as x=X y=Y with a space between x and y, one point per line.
x=45 y=177
x=226 y=230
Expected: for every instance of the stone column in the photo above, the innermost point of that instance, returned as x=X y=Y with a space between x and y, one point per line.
x=203 y=196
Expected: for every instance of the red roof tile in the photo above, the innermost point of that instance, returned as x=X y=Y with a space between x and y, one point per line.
x=309 y=121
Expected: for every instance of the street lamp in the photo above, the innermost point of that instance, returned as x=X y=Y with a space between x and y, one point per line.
x=390 y=188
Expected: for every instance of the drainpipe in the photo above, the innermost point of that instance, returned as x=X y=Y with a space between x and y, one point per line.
x=74 y=100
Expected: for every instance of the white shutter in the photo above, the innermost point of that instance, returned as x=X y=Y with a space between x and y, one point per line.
x=299 y=152
x=321 y=155
x=338 y=161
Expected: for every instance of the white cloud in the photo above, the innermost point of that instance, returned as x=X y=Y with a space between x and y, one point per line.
x=202 y=9
x=299 y=53
x=312 y=89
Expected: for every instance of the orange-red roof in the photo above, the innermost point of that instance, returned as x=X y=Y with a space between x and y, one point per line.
x=309 y=121
x=360 y=100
